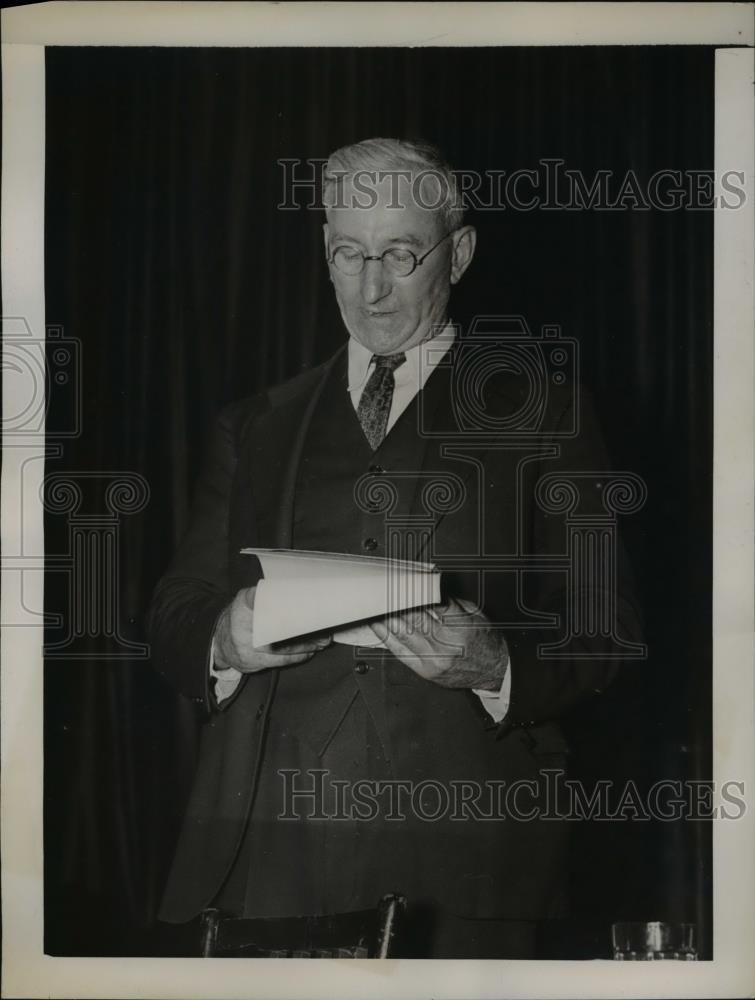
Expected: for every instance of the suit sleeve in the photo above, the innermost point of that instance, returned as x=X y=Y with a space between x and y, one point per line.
x=190 y=597
x=544 y=687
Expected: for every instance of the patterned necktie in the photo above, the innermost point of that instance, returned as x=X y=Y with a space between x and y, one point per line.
x=375 y=402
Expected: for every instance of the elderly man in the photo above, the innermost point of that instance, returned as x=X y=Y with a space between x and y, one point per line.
x=280 y=831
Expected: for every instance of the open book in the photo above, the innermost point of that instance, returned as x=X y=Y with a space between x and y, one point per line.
x=304 y=592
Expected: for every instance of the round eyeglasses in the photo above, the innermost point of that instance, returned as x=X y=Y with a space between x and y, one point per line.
x=399 y=261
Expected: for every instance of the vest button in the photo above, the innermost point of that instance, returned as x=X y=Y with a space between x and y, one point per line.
x=362 y=667
x=370 y=544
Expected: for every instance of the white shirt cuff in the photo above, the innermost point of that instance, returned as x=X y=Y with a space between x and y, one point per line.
x=226 y=681
x=496 y=703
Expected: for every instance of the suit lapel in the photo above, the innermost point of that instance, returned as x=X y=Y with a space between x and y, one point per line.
x=277 y=441
x=446 y=457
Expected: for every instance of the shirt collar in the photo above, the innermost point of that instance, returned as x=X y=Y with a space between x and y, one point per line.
x=420 y=360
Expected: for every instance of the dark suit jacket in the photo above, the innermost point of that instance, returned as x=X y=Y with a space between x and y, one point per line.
x=245 y=497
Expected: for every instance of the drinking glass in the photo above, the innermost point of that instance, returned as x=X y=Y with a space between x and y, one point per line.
x=638 y=941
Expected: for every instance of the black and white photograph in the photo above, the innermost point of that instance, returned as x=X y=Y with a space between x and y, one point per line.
x=377 y=499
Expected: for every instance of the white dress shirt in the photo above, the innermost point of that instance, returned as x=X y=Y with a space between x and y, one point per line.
x=409 y=378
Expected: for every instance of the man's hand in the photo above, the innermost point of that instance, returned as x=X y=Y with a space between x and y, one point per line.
x=454 y=646
x=234 y=642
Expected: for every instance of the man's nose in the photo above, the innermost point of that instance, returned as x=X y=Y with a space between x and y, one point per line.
x=376 y=283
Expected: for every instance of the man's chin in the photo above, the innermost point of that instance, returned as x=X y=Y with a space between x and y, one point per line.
x=382 y=340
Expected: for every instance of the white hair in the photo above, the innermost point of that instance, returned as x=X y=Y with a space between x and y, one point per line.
x=418 y=161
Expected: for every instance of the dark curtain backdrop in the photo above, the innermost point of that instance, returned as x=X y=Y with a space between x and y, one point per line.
x=168 y=259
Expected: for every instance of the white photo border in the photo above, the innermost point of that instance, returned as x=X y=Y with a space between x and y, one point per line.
x=27 y=972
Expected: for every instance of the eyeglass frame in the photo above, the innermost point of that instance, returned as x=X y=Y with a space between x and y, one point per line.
x=365 y=257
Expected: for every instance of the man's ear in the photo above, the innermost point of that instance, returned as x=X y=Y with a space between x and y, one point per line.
x=326 y=239
x=464 y=243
